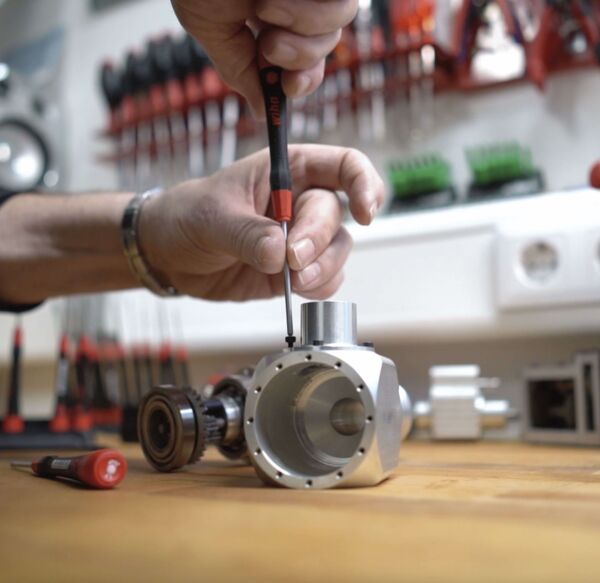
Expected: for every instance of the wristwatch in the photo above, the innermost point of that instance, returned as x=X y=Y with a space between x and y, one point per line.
x=129 y=235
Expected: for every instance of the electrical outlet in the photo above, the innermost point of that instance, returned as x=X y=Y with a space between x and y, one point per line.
x=541 y=266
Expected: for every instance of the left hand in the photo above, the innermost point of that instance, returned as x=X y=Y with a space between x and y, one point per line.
x=211 y=237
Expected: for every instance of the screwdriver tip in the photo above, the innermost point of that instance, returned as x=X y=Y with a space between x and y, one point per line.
x=291 y=340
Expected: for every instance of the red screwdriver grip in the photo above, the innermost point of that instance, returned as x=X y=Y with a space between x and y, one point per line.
x=101 y=469
x=282 y=205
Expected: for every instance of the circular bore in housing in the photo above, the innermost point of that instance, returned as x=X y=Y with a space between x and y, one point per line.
x=310 y=420
x=347 y=416
x=168 y=429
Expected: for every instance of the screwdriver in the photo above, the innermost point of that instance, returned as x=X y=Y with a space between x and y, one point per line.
x=60 y=421
x=13 y=422
x=100 y=469
x=280 y=178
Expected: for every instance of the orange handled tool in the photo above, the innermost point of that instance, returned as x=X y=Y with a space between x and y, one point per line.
x=101 y=469
x=595 y=176
x=280 y=177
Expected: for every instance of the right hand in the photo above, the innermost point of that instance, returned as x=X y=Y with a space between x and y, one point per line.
x=296 y=35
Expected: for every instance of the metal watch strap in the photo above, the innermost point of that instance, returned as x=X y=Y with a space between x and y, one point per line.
x=129 y=235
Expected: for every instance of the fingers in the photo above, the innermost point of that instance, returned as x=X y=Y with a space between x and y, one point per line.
x=337 y=168
x=232 y=49
x=241 y=234
x=296 y=52
x=326 y=266
x=326 y=290
x=318 y=216
x=309 y=17
x=301 y=83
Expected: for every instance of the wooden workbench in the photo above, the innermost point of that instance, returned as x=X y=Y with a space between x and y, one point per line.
x=452 y=512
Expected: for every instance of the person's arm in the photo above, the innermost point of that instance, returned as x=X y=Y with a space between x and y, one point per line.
x=53 y=245
x=209 y=238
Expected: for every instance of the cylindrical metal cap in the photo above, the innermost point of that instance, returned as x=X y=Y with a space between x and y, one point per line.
x=328 y=323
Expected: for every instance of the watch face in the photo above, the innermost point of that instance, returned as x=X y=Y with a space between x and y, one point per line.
x=23 y=158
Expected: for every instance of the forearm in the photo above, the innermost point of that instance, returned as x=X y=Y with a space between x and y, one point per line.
x=53 y=245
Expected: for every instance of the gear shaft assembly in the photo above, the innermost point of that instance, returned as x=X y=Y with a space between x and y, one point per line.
x=175 y=425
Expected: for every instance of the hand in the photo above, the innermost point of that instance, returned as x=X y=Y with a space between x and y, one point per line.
x=210 y=237
x=297 y=35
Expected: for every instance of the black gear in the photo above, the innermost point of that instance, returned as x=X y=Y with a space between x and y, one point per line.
x=208 y=428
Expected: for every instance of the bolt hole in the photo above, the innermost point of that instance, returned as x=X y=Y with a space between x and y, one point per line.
x=369 y=418
x=250 y=420
x=338 y=364
x=279 y=475
x=257 y=451
x=279 y=366
x=360 y=388
x=309 y=483
x=361 y=451
x=308 y=357
x=340 y=475
x=258 y=390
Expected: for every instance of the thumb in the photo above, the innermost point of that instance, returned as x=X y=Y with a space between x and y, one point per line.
x=252 y=239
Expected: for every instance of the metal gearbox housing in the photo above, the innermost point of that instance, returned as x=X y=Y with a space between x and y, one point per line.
x=328 y=412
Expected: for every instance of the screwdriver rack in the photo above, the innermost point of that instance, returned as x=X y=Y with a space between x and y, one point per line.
x=171 y=117
x=98 y=381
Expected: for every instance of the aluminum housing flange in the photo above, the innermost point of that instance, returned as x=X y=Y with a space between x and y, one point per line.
x=329 y=412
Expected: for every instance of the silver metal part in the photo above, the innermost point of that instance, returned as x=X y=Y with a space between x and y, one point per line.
x=457 y=409
x=328 y=323
x=407 y=412
x=287 y=287
x=562 y=401
x=231 y=392
x=233 y=414
x=167 y=429
x=325 y=415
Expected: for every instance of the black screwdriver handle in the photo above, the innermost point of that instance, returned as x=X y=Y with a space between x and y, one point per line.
x=111 y=82
x=15 y=373
x=276 y=111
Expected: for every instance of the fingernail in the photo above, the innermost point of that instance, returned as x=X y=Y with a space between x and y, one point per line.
x=264 y=250
x=373 y=210
x=303 y=83
x=276 y=15
x=283 y=52
x=308 y=275
x=303 y=252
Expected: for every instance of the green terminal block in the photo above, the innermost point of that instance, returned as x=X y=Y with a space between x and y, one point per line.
x=500 y=163
x=419 y=176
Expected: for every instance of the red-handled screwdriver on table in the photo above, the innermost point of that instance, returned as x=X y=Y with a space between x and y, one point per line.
x=280 y=178
x=100 y=469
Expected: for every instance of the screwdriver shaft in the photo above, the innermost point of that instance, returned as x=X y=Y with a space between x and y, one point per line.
x=287 y=286
x=20 y=464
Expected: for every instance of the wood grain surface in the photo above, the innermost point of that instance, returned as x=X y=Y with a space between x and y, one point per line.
x=452 y=512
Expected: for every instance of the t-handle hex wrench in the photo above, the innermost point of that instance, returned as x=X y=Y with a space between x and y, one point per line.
x=281 y=180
